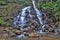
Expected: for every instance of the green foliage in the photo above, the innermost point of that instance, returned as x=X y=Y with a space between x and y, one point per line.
x=9 y=9
x=51 y=5
x=3 y=2
x=7 y=12
x=22 y=2
x=3 y=23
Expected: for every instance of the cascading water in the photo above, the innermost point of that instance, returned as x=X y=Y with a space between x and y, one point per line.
x=39 y=16
x=28 y=19
x=23 y=15
x=26 y=15
x=20 y=19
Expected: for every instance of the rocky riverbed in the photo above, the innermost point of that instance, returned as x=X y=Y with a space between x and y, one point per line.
x=9 y=33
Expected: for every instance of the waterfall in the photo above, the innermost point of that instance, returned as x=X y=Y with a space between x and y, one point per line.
x=25 y=15
x=39 y=16
x=26 y=19
x=31 y=20
x=20 y=19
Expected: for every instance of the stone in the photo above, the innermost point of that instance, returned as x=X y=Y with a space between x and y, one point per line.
x=5 y=35
x=10 y=28
x=28 y=29
x=11 y=34
x=25 y=29
x=34 y=35
x=16 y=31
x=6 y=29
x=2 y=27
x=21 y=37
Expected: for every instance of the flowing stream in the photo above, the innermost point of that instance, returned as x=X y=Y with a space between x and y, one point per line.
x=39 y=16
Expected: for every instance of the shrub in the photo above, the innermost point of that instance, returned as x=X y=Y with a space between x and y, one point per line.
x=3 y=2
x=3 y=23
x=54 y=6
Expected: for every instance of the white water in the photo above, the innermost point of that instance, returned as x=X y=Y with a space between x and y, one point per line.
x=20 y=20
x=39 y=16
x=21 y=17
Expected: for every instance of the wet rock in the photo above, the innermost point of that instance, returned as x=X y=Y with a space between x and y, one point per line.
x=34 y=35
x=33 y=16
x=12 y=34
x=52 y=30
x=16 y=31
x=28 y=29
x=10 y=28
x=58 y=31
x=21 y=37
x=25 y=29
x=5 y=35
x=6 y=29
x=26 y=34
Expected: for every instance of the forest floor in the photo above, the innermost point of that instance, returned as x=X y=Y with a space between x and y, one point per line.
x=9 y=33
